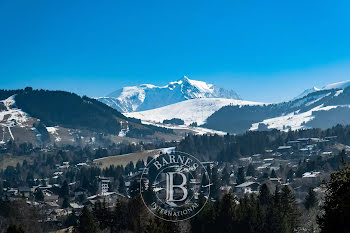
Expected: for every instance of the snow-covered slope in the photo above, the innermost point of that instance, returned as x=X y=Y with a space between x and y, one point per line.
x=321 y=108
x=193 y=110
x=338 y=85
x=294 y=120
x=10 y=115
x=306 y=92
x=147 y=96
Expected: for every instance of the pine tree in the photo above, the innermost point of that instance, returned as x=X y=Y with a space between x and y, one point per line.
x=65 y=203
x=14 y=229
x=240 y=176
x=87 y=222
x=273 y=174
x=39 y=195
x=225 y=176
x=289 y=208
x=250 y=170
x=121 y=187
x=226 y=214
x=64 y=191
x=215 y=187
x=265 y=197
x=311 y=199
x=153 y=227
x=336 y=206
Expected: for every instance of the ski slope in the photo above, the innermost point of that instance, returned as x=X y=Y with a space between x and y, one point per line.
x=193 y=110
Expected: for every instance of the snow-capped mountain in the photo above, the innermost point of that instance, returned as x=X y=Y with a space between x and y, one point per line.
x=338 y=85
x=190 y=111
x=306 y=92
x=316 y=108
x=146 y=96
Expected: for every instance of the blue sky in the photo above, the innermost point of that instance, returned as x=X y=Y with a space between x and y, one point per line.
x=264 y=50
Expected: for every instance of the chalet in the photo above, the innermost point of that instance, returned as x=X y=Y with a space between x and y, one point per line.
x=284 y=149
x=311 y=174
x=331 y=138
x=49 y=196
x=276 y=181
x=294 y=144
x=247 y=187
x=226 y=189
x=304 y=141
x=245 y=161
x=25 y=191
x=79 y=192
x=327 y=153
x=256 y=157
x=75 y=206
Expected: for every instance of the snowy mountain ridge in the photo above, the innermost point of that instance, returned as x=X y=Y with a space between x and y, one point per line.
x=147 y=96
x=190 y=111
x=338 y=85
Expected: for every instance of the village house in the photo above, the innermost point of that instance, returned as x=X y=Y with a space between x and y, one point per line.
x=247 y=187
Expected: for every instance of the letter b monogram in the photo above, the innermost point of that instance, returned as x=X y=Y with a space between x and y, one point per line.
x=170 y=186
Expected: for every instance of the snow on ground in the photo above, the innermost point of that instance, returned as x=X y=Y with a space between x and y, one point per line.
x=12 y=116
x=123 y=132
x=196 y=130
x=147 y=96
x=305 y=93
x=293 y=120
x=203 y=87
x=168 y=150
x=52 y=130
x=54 y=133
x=193 y=110
x=319 y=97
x=338 y=92
x=338 y=85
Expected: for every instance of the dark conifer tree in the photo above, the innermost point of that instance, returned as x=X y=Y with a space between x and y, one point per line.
x=265 y=197
x=311 y=199
x=14 y=229
x=273 y=174
x=240 y=176
x=336 y=206
x=251 y=170
x=225 y=176
x=86 y=223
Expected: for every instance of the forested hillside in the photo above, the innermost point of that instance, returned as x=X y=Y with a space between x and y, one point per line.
x=232 y=147
x=69 y=110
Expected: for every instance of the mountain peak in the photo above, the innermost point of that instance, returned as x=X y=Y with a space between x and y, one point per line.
x=185 y=78
x=148 y=96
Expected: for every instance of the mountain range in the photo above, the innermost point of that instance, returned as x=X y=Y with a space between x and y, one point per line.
x=40 y=116
x=147 y=96
x=315 y=107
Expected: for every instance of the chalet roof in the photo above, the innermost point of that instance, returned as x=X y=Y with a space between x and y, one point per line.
x=311 y=174
x=293 y=142
x=303 y=139
x=283 y=147
x=25 y=189
x=246 y=184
